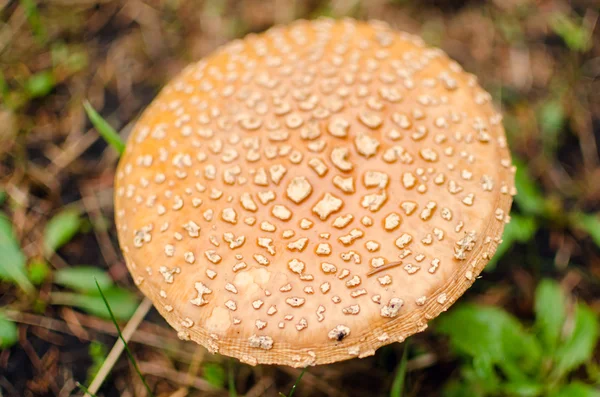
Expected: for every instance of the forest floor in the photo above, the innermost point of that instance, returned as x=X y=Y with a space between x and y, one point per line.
x=540 y=60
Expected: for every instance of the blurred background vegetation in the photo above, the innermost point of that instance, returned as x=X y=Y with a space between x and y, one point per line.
x=528 y=327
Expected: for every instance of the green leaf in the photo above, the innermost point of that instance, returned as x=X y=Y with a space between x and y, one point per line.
x=40 y=84
x=483 y=376
x=108 y=133
x=397 y=389
x=9 y=335
x=577 y=389
x=527 y=388
x=456 y=388
x=579 y=346
x=38 y=270
x=214 y=374
x=83 y=278
x=576 y=37
x=121 y=301
x=550 y=313
x=490 y=334
x=477 y=379
x=523 y=228
x=12 y=260
x=590 y=223
x=529 y=197
x=61 y=229
x=520 y=230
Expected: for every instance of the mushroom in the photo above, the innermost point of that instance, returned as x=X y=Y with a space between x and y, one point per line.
x=312 y=193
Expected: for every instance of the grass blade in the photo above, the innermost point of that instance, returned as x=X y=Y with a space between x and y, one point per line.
x=231 y=379
x=33 y=18
x=108 y=133
x=85 y=390
x=398 y=385
x=293 y=389
x=129 y=354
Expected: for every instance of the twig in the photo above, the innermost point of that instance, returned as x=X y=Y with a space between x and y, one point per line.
x=35 y=360
x=261 y=387
x=118 y=347
x=387 y=266
x=92 y=207
x=85 y=390
x=180 y=378
x=72 y=151
x=73 y=323
x=99 y=326
x=421 y=362
x=316 y=382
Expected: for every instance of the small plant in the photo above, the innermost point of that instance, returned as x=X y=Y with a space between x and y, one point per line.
x=500 y=357
x=576 y=35
x=97 y=352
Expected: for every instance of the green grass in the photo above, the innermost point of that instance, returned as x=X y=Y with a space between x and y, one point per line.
x=293 y=389
x=231 y=379
x=398 y=386
x=108 y=133
x=85 y=389
x=127 y=350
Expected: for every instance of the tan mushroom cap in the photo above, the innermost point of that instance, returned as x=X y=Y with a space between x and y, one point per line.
x=310 y=194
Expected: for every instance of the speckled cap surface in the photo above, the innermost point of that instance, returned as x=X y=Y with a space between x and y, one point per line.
x=310 y=194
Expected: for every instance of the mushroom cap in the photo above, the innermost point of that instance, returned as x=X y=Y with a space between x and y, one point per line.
x=312 y=193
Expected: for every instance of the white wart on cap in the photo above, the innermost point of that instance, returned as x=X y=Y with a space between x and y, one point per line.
x=309 y=194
